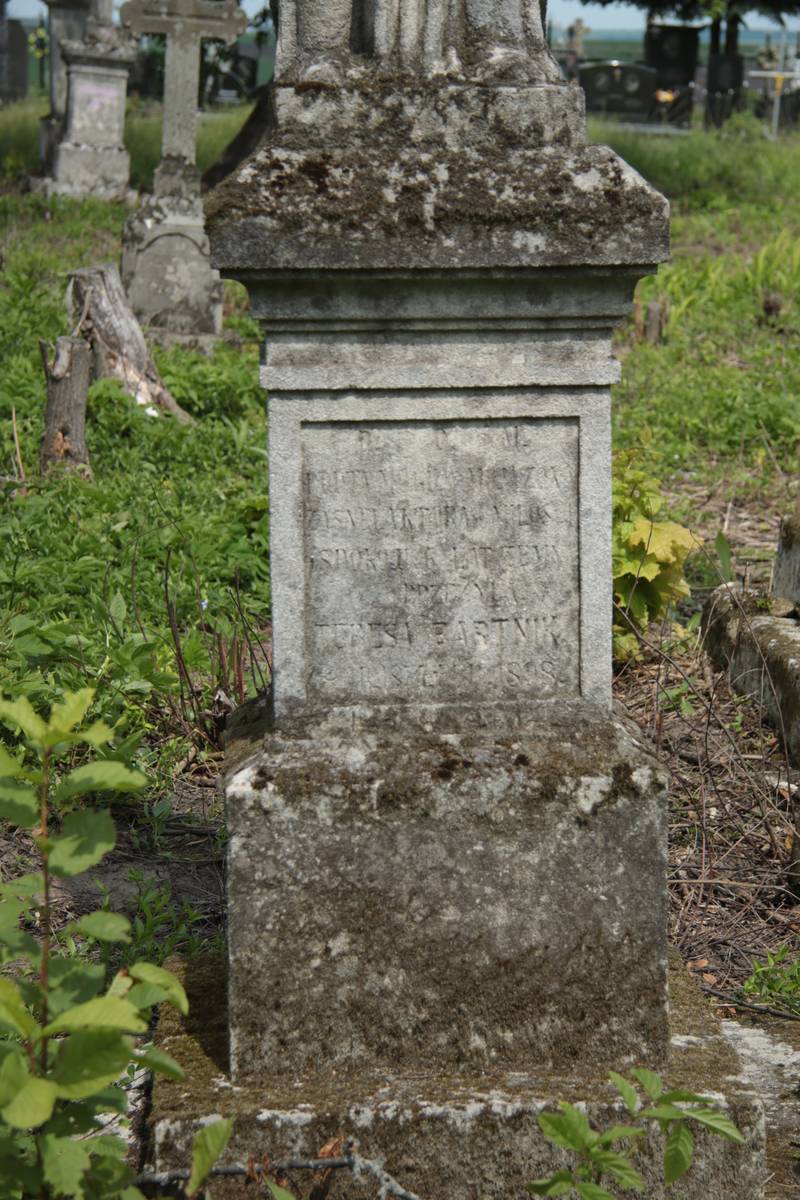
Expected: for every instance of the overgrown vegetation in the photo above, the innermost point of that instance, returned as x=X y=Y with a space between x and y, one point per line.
x=648 y=555
x=165 y=549
x=67 y=1030
x=720 y=392
x=603 y=1157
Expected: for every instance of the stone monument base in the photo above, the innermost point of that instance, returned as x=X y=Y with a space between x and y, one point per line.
x=452 y=899
x=440 y=1134
x=102 y=172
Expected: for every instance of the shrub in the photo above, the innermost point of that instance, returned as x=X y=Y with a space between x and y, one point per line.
x=648 y=555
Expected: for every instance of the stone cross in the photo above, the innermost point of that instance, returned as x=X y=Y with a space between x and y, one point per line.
x=185 y=23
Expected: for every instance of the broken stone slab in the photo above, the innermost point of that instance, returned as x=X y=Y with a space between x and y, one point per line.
x=760 y=653
x=444 y=1131
x=769 y=1052
x=448 y=902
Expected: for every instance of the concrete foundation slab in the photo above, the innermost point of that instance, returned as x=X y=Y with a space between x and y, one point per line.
x=461 y=1135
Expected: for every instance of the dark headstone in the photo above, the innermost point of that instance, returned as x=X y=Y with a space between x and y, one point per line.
x=671 y=50
x=616 y=87
x=13 y=61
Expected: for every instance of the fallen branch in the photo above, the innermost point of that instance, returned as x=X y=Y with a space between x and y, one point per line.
x=764 y=1009
x=350 y=1160
x=21 y=490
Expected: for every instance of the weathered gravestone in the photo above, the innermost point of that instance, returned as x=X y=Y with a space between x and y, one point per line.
x=66 y=23
x=165 y=256
x=90 y=158
x=447 y=857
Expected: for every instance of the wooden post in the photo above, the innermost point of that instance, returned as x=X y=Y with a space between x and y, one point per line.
x=68 y=376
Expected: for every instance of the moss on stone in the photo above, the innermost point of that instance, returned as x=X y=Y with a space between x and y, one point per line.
x=282 y=1115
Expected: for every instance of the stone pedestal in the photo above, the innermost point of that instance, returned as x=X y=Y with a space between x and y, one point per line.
x=66 y=23
x=470 y=1135
x=448 y=903
x=91 y=159
x=166 y=269
x=447 y=884
x=439 y=299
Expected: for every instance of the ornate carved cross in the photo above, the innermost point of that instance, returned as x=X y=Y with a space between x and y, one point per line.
x=185 y=23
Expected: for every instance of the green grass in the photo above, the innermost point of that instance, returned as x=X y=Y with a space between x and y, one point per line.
x=143 y=138
x=734 y=168
x=19 y=137
x=83 y=569
x=721 y=392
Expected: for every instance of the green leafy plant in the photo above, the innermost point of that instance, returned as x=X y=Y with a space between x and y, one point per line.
x=649 y=552
x=605 y=1156
x=67 y=1034
x=777 y=980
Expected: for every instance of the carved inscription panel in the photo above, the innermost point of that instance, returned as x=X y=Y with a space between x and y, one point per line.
x=441 y=560
x=97 y=112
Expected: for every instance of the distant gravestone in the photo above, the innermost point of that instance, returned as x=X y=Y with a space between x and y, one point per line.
x=66 y=23
x=165 y=257
x=621 y=88
x=13 y=60
x=90 y=158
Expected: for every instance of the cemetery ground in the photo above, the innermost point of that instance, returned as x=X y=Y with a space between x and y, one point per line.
x=149 y=581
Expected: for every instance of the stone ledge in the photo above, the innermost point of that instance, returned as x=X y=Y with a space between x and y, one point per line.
x=441 y=1135
x=454 y=116
x=761 y=655
x=389 y=206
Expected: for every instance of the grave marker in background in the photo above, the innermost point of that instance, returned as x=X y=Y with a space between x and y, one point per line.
x=13 y=58
x=66 y=23
x=165 y=257
x=90 y=158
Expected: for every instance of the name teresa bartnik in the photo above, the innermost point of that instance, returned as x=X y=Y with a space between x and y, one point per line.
x=441 y=554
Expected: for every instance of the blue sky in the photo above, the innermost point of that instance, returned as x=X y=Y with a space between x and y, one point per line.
x=561 y=12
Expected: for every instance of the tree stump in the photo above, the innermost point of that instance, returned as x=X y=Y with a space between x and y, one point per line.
x=68 y=377
x=105 y=318
x=654 y=323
